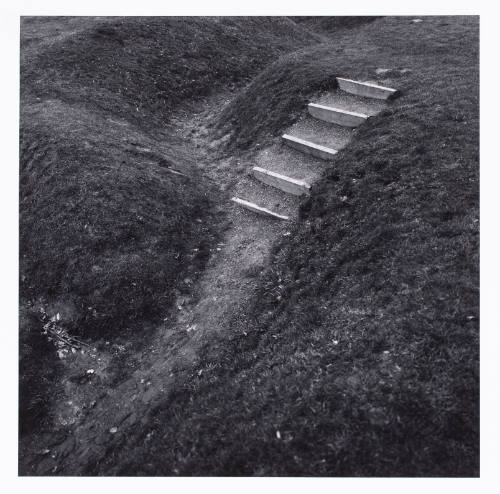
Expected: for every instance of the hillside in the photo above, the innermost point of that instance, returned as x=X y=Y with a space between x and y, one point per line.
x=362 y=348
x=343 y=344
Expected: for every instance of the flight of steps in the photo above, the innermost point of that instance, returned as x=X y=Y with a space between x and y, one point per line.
x=284 y=173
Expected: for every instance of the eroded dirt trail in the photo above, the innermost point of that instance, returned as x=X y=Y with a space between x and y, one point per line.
x=93 y=421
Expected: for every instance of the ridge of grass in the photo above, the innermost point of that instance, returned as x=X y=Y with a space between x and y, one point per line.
x=360 y=355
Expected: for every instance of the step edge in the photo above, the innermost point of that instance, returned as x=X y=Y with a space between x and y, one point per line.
x=339 y=110
x=242 y=202
x=301 y=183
x=319 y=147
x=369 y=84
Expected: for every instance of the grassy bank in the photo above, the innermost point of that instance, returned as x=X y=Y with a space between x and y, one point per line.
x=360 y=356
x=140 y=68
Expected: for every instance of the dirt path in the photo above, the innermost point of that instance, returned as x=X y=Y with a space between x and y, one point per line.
x=91 y=418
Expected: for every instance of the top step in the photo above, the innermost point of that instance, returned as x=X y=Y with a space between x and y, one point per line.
x=366 y=89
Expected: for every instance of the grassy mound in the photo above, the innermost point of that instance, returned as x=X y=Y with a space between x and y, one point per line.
x=360 y=357
x=140 y=68
x=106 y=227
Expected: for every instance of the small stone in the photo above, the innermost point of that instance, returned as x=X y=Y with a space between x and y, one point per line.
x=113 y=430
x=91 y=371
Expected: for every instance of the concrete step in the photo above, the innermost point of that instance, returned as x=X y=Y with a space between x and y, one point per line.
x=336 y=115
x=366 y=89
x=259 y=209
x=350 y=102
x=309 y=147
x=286 y=184
x=286 y=161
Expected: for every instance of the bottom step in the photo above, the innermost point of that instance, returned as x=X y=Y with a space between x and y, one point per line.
x=258 y=209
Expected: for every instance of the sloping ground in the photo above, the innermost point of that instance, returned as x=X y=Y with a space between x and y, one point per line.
x=278 y=95
x=140 y=68
x=108 y=226
x=360 y=355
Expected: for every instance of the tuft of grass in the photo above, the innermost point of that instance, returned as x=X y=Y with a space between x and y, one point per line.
x=359 y=357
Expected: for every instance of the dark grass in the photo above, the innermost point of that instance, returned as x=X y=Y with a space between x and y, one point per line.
x=106 y=229
x=362 y=347
x=38 y=370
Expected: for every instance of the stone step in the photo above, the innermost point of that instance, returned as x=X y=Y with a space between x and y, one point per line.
x=366 y=89
x=336 y=115
x=309 y=147
x=350 y=102
x=258 y=209
x=282 y=182
x=290 y=163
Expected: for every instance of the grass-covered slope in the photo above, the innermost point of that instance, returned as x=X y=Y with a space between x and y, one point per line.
x=141 y=67
x=275 y=98
x=360 y=356
x=105 y=223
x=104 y=226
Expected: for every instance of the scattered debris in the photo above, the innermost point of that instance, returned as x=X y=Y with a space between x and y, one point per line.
x=58 y=334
